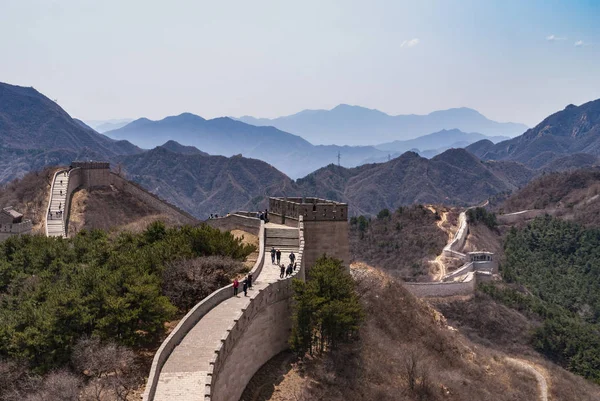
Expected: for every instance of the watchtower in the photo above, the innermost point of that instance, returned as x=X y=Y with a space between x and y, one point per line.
x=325 y=226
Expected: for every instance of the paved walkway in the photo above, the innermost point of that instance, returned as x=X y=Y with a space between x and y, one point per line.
x=55 y=225
x=184 y=374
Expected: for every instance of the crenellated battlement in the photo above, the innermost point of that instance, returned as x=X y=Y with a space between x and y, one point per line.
x=312 y=209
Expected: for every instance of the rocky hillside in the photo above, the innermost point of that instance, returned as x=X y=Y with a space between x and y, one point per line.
x=207 y=184
x=575 y=195
x=409 y=353
x=453 y=177
x=569 y=132
x=35 y=132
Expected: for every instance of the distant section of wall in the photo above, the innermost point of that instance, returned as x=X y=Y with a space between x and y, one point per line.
x=235 y=221
x=147 y=197
x=312 y=209
x=443 y=289
x=458 y=242
x=523 y=215
x=11 y=229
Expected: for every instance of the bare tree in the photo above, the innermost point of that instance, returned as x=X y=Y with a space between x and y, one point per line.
x=113 y=369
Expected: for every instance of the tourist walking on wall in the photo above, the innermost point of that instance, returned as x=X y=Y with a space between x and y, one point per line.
x=272 y=255
x=282 y=272
x=245 y=288
x=278 y=253
x=249 y=280
x=292 y=257
x=289 y=270
x=266 y=216
x=236 y=284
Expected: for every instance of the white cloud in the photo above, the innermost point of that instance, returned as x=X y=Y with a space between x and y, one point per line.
x=554 y=38
x=410 y=42
x=579 y=43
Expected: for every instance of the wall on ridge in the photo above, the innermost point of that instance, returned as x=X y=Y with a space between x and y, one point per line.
x=76 y=180
x=261 y=332
x=458 y=242
x=147 y=197
x=443 y=289
x=235 y=221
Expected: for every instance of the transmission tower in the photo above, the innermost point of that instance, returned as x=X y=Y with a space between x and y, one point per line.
x=339 y=156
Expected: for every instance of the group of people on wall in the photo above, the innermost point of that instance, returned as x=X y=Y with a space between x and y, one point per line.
x=275 y=260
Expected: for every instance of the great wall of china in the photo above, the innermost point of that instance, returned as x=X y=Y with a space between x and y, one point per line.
x=206 y=357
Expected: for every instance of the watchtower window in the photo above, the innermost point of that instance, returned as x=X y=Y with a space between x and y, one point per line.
x=314 y=207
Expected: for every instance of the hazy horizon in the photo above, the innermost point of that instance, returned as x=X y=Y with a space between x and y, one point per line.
x=512 y=61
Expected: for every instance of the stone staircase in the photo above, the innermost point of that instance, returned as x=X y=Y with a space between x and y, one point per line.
x=55 y=226
x=280 y=238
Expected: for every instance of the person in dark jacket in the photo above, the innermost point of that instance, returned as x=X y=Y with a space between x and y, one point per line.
x=245 y=288
x=266 y=216
x=249 y=280
x=273 y=255
x=282 y=272
x=292 y=257
x=278 y=253
x=289 y=270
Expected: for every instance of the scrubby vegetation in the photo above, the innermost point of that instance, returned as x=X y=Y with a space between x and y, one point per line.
x=400 y=242
x=481 y=215
x=559 y=264
x=326 y=308
x=118 y=290
x=403 y=352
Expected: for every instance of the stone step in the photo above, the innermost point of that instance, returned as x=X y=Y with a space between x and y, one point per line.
x=281 y=233
x=281 y=242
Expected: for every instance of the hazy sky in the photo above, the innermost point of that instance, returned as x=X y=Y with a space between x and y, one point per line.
x=511 y=60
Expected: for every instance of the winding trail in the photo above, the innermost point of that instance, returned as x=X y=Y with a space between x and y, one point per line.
x=441 y=272
x=541 y=380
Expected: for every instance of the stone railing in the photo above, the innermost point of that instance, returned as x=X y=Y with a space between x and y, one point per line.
x=444 y=289
x=73 y=184
x=234 y=221
x=193 y=317
x=466 y=268
x=228 y=378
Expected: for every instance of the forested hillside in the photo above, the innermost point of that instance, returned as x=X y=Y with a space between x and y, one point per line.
x=86 y=301
x=558 y=263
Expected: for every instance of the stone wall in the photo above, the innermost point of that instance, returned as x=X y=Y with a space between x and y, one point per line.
x=443 y=289
x=326 y=237
x=523 y=215
x=261 y=332
x=147 y=197
x=452 y=249
x=312 y=209
x=76 y=180
x=193 y=317
x=12 y=229
x=235 y=221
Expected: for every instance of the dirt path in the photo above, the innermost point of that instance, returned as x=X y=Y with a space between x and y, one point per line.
x=542 y=383
x=441 y=270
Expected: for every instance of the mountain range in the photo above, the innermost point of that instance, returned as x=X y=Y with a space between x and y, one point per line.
x=355 y=125
x=35 y=132
x=570 y=136
x=289 y=153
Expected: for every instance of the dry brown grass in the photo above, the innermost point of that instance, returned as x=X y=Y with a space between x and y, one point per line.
x=29 y=195
x=111 y=209
x=399 y=330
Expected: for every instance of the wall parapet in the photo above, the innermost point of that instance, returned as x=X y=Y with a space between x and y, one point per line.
x=193 y=317
x=443 y=289
x=275 y=292
x=315 y=209
x=235 y=221
x=50 y=197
